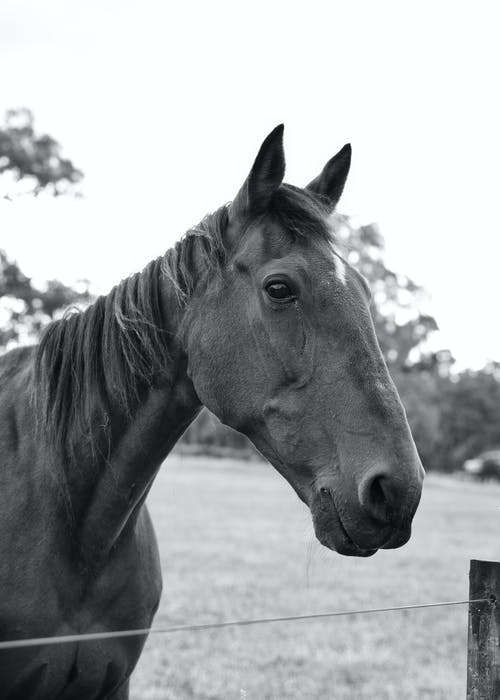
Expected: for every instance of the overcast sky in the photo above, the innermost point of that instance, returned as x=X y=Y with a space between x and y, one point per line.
x=164 y=105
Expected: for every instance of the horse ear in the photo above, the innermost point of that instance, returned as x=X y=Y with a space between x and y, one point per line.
x=330 y=183
x=264 y=178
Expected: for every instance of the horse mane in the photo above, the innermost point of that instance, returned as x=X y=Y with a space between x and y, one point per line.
x=90 y=360
x=109 y=354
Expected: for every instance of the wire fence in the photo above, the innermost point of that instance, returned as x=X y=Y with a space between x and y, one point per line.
x=94 y=636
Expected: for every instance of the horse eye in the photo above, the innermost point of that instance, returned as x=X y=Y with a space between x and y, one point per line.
x=279 y=291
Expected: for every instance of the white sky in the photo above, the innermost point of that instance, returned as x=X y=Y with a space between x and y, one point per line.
x=164 y=105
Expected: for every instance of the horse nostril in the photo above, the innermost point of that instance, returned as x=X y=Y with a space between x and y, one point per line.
x=377 y=497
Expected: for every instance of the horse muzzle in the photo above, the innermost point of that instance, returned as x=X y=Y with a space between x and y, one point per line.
x=356 y=533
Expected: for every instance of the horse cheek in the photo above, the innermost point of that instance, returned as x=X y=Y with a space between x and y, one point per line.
x=215 y=368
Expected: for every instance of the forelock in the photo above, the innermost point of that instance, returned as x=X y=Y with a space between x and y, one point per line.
x=300 y=213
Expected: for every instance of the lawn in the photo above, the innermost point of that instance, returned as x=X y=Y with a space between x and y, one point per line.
x=235 y=542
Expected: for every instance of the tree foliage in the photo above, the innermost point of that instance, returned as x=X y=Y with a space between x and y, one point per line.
x=35 y=159
x=25 y=309
x=469 y=416
x=401 y=325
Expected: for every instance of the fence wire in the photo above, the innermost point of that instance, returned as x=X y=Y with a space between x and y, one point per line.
x=94 y=636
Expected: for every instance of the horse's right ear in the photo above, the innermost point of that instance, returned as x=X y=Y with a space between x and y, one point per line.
x=330 y=182
x=263 y=180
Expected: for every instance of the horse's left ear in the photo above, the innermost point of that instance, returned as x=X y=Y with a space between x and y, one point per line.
x=265 y=177
x=330 y=183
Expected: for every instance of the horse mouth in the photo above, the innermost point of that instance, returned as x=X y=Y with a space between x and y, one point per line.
x=331 y=532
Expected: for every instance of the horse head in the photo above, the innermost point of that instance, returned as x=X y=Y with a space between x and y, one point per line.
x=281 y=346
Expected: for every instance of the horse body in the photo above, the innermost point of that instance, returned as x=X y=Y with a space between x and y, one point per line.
x=53 y=581
x=252 y=314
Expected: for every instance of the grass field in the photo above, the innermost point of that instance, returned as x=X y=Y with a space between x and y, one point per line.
x=235 y=542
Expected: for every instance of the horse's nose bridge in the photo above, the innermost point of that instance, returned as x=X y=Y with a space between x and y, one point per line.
x=372 y=403
x=383 y=401
x=382 y=460
x=362 y=373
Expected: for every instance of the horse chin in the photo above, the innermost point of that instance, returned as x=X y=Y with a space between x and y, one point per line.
x=334 y=536
x=346 y=548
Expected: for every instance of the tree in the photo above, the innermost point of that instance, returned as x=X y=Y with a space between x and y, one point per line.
x=32 y=158
x=469 y=416
x=35 y=160
x=402 y=328
x=25 y=310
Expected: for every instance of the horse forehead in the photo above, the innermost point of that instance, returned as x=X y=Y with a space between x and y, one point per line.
x=269 y=243
x=338 y=266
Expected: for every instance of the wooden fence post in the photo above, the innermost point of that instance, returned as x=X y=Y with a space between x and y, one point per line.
x=483 y=652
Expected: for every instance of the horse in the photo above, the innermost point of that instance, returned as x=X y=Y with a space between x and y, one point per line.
x=253 y=314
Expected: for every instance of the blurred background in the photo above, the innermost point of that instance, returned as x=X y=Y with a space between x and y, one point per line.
x=123 y=124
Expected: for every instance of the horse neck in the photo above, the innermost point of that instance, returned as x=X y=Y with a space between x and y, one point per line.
x=135 y=456
x=123 y=430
